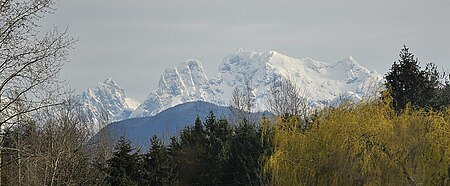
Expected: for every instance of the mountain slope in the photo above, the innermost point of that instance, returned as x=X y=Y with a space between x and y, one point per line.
x=106 y=101
x=322 y=82
x=165 y=124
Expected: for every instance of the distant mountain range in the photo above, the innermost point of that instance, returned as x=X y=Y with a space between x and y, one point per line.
x=324 y=84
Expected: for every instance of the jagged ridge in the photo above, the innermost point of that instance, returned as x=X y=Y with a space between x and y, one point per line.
x=106 y=101
x=323 y=82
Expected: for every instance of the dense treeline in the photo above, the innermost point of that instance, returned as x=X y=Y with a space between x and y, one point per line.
x=213 y=152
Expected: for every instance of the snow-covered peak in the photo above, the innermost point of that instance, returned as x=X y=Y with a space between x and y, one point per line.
x=178 y=84
x=348 y=62
x=190 y=64
x=109 y=82
x=182 y=78
x=107 y=99
x=108 y=89
x=322 y=81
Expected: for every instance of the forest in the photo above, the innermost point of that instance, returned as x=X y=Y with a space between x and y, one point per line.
x=399 y=135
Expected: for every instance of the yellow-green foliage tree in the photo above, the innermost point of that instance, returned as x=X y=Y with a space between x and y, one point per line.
x=366 y=144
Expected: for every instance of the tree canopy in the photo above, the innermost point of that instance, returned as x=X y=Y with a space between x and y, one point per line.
x=408 y=83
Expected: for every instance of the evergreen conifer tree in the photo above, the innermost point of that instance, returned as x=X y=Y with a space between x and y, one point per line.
x=192 y=155
x=219 y=133
x=157 y=164
x=123 y=167
x=408 y=83
x=245 y=149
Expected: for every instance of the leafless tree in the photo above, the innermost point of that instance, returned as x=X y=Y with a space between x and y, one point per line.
x=30 y=61
x=52 y=150
x=287 y=99
x=242 y=103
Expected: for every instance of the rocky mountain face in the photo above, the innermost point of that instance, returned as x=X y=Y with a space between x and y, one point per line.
x=183 y=83
x=323 y=83
x=106 y=102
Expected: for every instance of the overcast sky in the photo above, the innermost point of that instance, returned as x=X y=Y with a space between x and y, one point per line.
x=133 y=41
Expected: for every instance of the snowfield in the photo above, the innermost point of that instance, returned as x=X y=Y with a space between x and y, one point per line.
x=322 y=82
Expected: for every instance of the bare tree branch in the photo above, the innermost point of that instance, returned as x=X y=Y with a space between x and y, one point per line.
x=242 y=102
x=287 y=99
x=30 y=63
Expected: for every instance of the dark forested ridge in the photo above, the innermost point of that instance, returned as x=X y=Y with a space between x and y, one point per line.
x=167 y=124
x=211 y=152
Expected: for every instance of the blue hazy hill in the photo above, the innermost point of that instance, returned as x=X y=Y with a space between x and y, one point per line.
x=165 y=124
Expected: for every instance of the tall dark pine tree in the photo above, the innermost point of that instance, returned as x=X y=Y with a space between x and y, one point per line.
x=158 y=165
x=246 y=148
x=174 y=150
x=124 y=167
x=409 y=84
x=192 y=155
x=219 y=134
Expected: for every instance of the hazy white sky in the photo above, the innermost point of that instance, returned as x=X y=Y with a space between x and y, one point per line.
x=133 y=41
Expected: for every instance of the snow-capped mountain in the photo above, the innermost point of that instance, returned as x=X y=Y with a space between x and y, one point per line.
x=106 y=101
x=323 y=83
x=183 y=83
